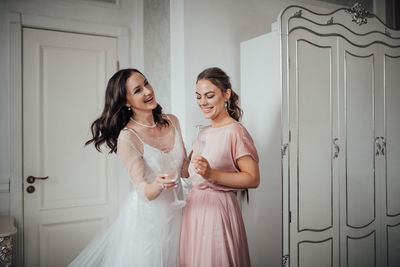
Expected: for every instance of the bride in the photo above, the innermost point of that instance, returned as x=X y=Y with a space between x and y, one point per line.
x=149 y=143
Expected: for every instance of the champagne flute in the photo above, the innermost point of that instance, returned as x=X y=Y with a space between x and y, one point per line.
x=199 y=143
x=198 y=149
x=172 y=175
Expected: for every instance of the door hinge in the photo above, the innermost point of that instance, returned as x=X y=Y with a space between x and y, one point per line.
x=117 y=65
x=290 y=136
x=290 y=216
x=284 y=149
x=285 y=259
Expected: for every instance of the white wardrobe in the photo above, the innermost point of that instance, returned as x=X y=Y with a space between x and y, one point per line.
x=321 y=95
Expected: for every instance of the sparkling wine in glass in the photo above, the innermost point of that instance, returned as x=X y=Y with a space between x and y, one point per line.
x=173 y=176
x=199 y=143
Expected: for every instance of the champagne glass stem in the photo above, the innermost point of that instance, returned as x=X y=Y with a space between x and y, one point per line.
x=175 y=196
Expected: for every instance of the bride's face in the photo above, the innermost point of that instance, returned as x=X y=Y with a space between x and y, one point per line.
x=210 y=99
x=139 y=93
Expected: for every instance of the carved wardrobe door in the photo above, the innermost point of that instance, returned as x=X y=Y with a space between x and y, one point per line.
x=313 y=120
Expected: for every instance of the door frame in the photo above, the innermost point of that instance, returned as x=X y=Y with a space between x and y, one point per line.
x=17 y=21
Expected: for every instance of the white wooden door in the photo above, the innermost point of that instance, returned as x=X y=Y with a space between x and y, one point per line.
x=390 y=208
x=64 y=79
x=313 y=123
x=360 y=197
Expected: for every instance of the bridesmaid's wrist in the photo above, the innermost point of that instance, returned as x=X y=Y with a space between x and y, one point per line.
x=213 y=176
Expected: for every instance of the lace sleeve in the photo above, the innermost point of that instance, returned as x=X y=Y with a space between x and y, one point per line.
x=129 y=150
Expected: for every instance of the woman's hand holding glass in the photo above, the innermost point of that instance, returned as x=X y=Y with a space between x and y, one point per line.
x=172 y=177
x=164 y=183
x=155 y=188
x=202 y=167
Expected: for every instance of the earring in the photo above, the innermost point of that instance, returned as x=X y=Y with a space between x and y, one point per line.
x=129 y=108
x=226 y=104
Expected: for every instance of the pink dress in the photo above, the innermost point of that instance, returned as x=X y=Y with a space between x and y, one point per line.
x=212 y=230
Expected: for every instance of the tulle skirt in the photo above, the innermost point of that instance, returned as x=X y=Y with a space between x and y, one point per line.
x=143 y=234
x=212 y=232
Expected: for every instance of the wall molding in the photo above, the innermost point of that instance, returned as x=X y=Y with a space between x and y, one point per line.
x=177 y=57
x=16 y=196
x=5 y=185
x=16 y=22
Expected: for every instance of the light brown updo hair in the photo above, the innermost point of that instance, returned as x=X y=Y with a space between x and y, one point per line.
x=220 y=79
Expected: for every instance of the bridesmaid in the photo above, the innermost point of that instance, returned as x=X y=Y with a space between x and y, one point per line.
x=212 y=230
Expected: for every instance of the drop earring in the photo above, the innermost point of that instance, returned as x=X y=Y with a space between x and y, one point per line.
x=226 y=104
x=129 y=108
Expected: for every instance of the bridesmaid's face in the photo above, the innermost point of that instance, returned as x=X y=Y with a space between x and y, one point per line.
x=210 y=99
x=139 y=93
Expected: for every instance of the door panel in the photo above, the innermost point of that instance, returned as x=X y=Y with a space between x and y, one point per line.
x=392 y=92
x=393 y=244
x=359 y=106
x=314 y=215
x=64 y=78
x=391 y=207
x=361 y=251
x=360 y=227
x=323 y=249
x=313 y=124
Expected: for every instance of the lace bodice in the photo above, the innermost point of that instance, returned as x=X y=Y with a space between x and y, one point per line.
x=144 y=155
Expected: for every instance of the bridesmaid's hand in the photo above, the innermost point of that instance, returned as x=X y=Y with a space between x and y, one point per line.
x=202 y=167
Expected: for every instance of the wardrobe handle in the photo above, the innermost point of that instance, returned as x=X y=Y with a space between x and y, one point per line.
x=378 y=146
x=337 y=149
x=383 y=145
x=284 y=149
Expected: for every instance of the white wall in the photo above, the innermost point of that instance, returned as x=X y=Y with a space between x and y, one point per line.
x=156 y=31
x=126 y=13
x=213 y=31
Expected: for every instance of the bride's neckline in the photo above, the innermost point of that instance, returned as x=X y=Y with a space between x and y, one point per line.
x=163 y=152
x=153 y=147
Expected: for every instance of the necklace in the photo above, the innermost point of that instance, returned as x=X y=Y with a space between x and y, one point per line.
x=144 y=125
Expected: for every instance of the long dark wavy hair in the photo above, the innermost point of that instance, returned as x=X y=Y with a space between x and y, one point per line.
x=220 y=79
x=116 y=114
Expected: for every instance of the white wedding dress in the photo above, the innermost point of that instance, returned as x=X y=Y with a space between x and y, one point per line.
x=145 y=233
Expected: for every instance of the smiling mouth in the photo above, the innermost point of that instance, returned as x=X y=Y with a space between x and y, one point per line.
x=207 y=110
x=148 y=100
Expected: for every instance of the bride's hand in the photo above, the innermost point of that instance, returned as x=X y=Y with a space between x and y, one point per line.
x=154 y=189
x=202 y=167
x=163 y=183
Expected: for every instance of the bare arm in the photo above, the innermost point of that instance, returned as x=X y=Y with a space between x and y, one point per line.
x=185 y=168
x=247 y=177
